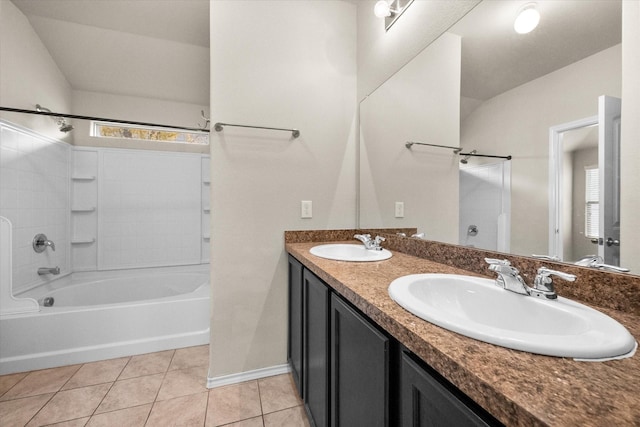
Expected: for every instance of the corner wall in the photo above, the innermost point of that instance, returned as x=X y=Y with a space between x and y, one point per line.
x=278 y=64
x=381 y=53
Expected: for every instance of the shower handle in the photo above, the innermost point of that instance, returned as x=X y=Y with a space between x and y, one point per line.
x=40 y=243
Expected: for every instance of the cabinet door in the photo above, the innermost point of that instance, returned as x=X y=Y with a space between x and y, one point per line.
x=427 y=402
x=360 y=369
x=316 y=349
x=294 y=347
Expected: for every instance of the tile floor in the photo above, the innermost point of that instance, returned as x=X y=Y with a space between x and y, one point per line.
x=156 y=389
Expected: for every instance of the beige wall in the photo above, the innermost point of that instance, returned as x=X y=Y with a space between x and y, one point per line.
x=28 y=74
x=419 y=103
x=278 y=64
x=517 y=123
x=630 y=139
x=381 y=53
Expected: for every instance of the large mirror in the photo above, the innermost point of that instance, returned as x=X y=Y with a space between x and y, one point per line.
x=496 y=94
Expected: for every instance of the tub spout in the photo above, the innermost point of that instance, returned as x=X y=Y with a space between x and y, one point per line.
x=49 y=270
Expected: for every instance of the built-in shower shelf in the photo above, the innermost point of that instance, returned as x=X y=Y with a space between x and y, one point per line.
x=89 y=209
x=206 y=182
x=206 y=237
x=83 y=240
x=83 y=178
x=206 y=209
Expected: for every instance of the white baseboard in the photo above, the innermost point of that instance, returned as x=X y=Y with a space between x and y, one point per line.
x=213 y=382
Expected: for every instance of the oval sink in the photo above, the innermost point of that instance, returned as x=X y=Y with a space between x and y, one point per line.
x=478 y=308
x=349 y=252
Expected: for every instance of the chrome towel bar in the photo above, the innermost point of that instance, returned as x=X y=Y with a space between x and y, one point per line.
x=220 y=126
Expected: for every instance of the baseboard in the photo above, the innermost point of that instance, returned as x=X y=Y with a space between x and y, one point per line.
x=213 y=382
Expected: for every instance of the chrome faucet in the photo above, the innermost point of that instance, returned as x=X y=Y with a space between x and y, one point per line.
x=596 y=261
x=49 y=270
x=509 y=278
x=40 y=243
x=369 y=243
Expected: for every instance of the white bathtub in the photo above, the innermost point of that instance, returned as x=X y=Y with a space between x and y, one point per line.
x=101 y=315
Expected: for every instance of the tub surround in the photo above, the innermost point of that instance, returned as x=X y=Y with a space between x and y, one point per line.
x=516 y=387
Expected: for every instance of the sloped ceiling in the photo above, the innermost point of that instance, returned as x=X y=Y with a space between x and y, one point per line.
x=496 y=59
x=146 y=48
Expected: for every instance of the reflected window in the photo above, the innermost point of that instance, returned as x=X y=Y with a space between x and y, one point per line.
x=148 y=133
x=592 y=203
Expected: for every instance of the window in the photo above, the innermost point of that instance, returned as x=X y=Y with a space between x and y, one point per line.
x=148 y=133
x=592 y=203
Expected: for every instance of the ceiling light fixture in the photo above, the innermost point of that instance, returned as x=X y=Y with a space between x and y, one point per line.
x=527 y=19
x=390 y=10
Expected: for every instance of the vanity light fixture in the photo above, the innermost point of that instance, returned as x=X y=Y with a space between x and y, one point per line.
x=527 y=19
x=390 y=10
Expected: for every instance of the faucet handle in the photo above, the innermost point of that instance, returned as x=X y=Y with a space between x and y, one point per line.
x=379 y=239
x=543 y=284
x=544 y=273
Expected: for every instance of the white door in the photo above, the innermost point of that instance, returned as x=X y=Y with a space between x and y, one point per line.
x=609 y=165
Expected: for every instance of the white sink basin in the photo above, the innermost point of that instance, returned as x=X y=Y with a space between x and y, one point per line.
x=477 y=308
x=349 y=252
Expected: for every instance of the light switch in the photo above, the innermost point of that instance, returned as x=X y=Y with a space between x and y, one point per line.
x=306 y=209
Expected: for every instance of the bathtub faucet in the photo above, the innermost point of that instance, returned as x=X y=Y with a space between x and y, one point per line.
x=49 y=270
x=40 y=243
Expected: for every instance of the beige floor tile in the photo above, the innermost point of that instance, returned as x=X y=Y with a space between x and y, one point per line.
x=233 y=403
x=181 y=411
x=41 y=382
x=78 y=422
x=93 y=373
x=8 y=381
x=129 y=417
x=292 y=417
x=71 y=404
x=131 y=392
x=190 y=357
x=147 y=364
x=251 y=422
x=277 y=393
x=183 y=382
x=18 y=412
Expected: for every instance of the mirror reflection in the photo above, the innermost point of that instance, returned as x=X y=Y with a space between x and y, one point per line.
x=504 y=91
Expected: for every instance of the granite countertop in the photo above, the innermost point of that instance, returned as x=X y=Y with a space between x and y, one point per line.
x=518 y=388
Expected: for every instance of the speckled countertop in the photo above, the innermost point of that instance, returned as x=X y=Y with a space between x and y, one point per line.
x=518 y=388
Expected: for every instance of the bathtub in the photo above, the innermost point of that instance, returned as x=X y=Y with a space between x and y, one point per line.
x=102 y=315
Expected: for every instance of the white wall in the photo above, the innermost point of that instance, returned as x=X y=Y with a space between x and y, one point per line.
x=517 y=123
x=28 y=74
x=419 y=103
x=34 y=196
x=630 y=139
x=279 y=64
x=381 y=53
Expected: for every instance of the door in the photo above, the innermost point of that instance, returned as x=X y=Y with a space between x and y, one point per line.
x=485 y=206
x=359 y=370
x=609 y=165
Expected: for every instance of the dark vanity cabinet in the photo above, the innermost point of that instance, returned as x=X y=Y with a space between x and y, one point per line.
x=359 y=369
x=294 y=347
x=315 y=366
x=350 y=373
x=428 y=400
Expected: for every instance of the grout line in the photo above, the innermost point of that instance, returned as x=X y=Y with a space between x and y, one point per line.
x=42 y=407
x=260 y=397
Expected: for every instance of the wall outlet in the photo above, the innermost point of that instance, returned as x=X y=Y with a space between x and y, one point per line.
x=306 y=209
x=399 y=209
